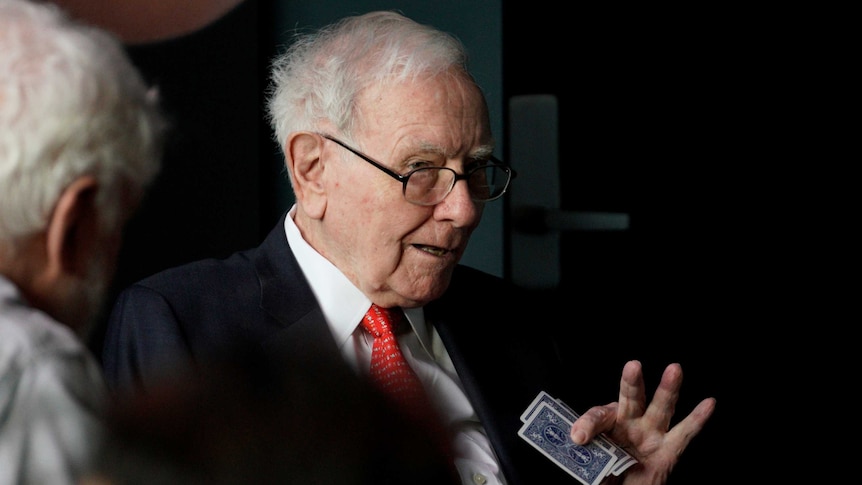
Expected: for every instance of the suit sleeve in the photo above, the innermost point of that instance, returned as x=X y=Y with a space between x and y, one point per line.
x=144 y=342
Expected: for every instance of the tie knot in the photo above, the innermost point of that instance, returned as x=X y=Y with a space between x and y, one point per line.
x=381 y=321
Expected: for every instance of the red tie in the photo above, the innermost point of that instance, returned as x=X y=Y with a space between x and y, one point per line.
x=394 y=376
x=389 y=370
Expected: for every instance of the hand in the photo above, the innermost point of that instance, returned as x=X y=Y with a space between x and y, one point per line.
x=644 y=430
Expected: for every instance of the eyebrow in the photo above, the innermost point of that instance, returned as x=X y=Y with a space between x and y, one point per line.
x=482 y=151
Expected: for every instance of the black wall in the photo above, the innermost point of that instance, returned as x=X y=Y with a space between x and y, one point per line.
x=651 y=116
x=221 y=178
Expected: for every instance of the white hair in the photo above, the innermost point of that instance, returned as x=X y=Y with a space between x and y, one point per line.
x=318 y=78
x=71 y=104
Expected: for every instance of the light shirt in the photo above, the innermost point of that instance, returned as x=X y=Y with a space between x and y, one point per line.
x=343 y=306
x=52 y=397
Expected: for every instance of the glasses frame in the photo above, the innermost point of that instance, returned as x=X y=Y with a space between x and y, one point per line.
x=493 y=161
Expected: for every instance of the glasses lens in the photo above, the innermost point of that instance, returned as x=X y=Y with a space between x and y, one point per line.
x=488 y=182
x=429 y=185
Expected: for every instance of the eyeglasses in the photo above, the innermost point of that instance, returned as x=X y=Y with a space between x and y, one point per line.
x=430 y=185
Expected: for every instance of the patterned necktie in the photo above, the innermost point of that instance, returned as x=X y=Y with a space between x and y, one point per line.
x=389 y=370
x=391 y=373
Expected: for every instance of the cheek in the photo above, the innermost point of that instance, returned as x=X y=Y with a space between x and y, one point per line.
x=372 y=223
x=385 y=235
x=378 y=214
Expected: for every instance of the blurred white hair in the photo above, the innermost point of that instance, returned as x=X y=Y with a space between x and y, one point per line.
x=71 y=104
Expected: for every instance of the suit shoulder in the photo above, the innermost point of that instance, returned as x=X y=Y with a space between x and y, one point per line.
x=470 y=284
x=467 y=274
x=235 y=267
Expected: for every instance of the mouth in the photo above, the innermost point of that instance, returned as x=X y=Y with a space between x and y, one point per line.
x=433 y=250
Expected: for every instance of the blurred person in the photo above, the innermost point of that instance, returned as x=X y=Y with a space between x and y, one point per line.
x=252 y=419
x=388 y=149
x=80 y=140
x=138 y=22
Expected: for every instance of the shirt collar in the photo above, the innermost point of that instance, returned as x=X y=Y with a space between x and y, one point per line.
x=343 y=304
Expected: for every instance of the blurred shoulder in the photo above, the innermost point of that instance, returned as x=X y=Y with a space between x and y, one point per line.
x=28 y=334
x=209 y=271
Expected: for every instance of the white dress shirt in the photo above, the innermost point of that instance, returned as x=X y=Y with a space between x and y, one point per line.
x=52 y=397
x=343 y=306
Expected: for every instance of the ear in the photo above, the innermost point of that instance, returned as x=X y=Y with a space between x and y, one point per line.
x=303 y=152
x=72 y=233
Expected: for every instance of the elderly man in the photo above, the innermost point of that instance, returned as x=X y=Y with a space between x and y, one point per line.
x=388 y=147
x=80 y=139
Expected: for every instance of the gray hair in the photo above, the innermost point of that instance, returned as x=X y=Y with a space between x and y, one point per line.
x=71 y=104
x=318 y=78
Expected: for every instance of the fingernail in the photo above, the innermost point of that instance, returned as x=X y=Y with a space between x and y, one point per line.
x=579 y=437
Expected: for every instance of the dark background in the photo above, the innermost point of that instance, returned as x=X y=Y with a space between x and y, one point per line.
x=652 y=111
x=657 y=108
x=221 y=178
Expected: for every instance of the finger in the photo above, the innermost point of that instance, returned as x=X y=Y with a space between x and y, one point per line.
x=663 y=405
x=680 y=436
x=596 y=420
x=632 y=391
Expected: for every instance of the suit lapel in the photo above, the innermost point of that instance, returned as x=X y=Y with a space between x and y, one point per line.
x=287 y=297
x=501 y=372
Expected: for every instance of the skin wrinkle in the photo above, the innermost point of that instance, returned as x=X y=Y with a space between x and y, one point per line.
x=388 y=263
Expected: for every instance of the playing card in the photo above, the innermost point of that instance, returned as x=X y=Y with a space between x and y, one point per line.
x=547 y=430
x=622 y=459
x=544 y=397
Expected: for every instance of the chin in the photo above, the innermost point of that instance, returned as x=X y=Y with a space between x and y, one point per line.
x=431 y=288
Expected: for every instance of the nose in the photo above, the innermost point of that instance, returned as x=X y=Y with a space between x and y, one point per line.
x=459 y=207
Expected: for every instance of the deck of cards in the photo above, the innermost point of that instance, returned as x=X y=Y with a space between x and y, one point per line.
x=547 y=422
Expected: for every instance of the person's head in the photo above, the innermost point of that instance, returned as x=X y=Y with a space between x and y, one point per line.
x=398 y=92
x=80 y=139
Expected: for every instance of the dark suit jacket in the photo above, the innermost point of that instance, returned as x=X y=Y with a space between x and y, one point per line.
x=258 y=298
